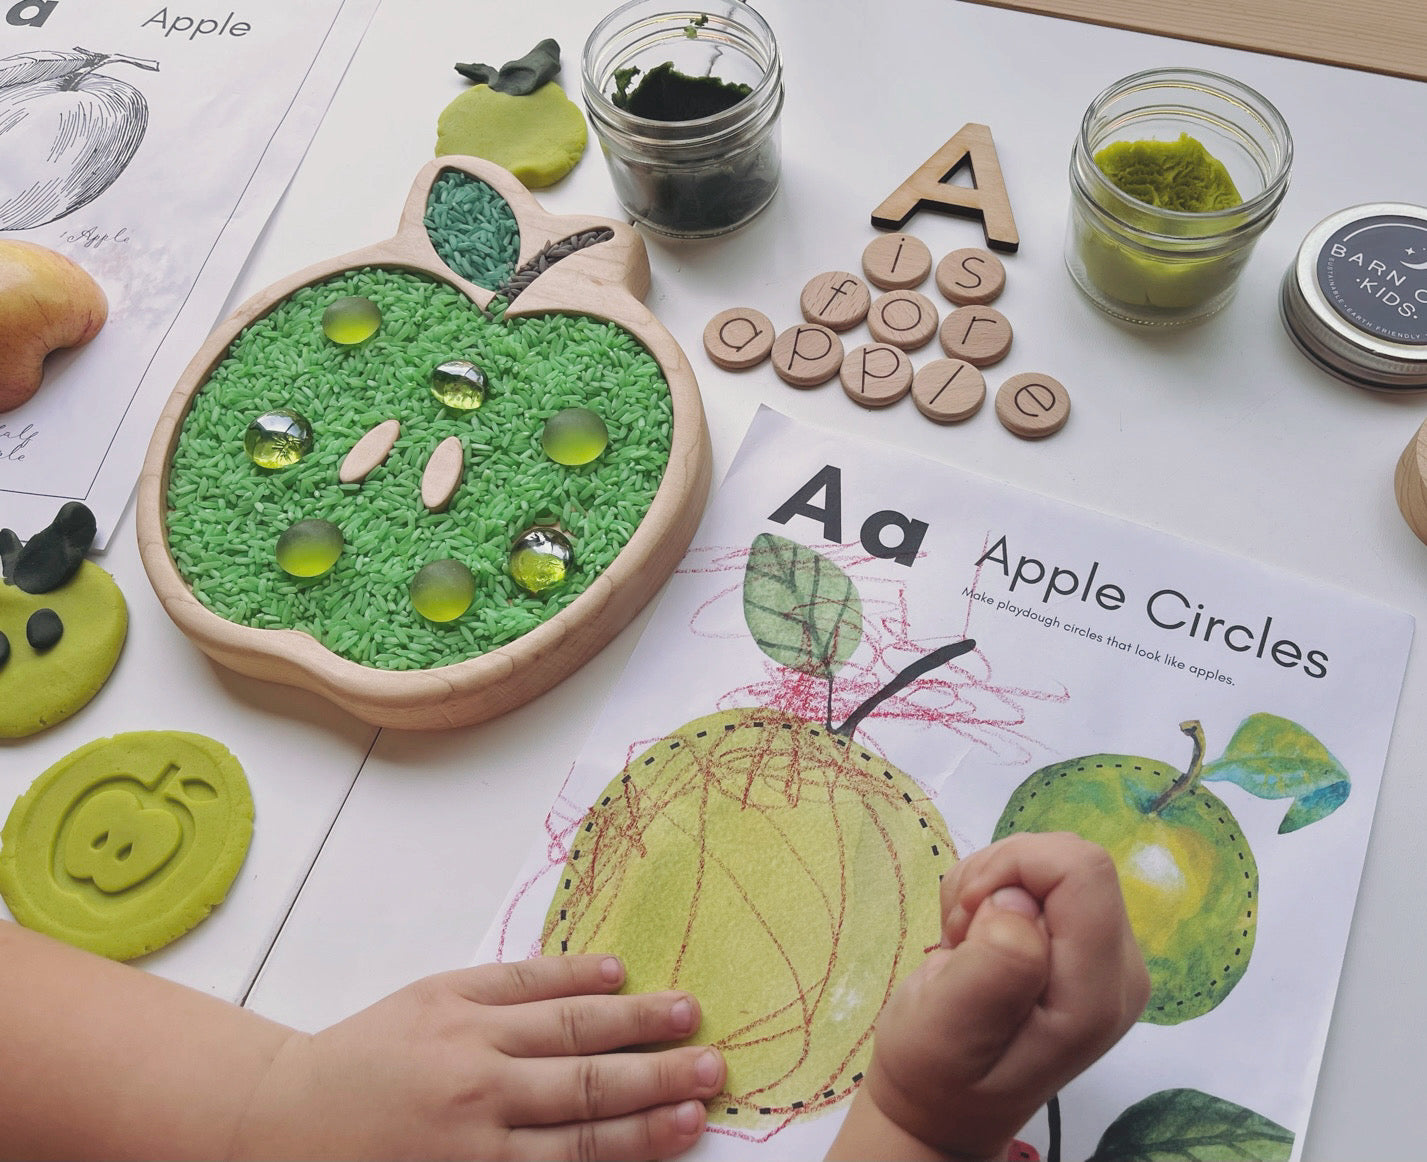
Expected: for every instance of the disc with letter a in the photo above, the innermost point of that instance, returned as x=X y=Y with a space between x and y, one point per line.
x=738 y=338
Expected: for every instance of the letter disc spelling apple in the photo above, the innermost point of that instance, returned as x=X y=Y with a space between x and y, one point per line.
x=128 y=842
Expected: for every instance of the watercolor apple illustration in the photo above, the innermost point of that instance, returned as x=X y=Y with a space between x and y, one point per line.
x=67 y=131
x=47 y=302
x=1187 y=871
x=771 y=863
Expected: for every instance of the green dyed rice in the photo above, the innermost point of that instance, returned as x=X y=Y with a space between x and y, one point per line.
x=226 y=514
x=472 y=228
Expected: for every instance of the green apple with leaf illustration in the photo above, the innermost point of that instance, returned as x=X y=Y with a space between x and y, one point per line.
x=1187 y=870
x=770 y=863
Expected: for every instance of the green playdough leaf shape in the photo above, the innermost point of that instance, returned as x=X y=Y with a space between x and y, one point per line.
x=1180 y=1125
x=520 y=77
x=801 y=608
x=1275 y=758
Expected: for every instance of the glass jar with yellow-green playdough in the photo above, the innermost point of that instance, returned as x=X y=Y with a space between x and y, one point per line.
x=1174 y=175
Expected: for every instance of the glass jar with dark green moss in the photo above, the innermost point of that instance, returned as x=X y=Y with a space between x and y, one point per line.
x=1173 y=177
x=685 y=103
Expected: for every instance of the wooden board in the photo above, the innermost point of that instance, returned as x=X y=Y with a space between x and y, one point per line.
x=608 y=282
x=1380 y=36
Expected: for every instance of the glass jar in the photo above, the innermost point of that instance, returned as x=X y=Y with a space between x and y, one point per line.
x=702 y=176
x=1152 y=265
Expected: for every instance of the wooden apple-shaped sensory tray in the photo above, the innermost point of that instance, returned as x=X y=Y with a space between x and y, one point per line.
x=430 y=478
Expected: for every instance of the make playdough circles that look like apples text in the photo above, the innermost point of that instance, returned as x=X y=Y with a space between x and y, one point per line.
x=128 y=842
x=1187 y=872
x=780 y=871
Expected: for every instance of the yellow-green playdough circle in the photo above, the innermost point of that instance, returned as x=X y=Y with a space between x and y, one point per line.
x=41 y=687
x=786 y=876
x=538 y=137
x=128 y=842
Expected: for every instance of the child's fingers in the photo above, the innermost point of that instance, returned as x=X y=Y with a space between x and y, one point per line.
x=537 y=979
x=555 y=1090
x=575 y=1026
x=965 y=1005
x=657 y=1133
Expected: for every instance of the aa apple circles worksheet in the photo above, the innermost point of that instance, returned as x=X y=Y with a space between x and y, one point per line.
x=152 y=156
x=804 y=729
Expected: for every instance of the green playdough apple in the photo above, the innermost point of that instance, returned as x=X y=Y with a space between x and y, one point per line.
x=46 y=302
x=1187 y=872
x=63 y=622
x=539 y=137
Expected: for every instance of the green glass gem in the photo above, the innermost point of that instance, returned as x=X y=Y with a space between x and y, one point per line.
x=459 y=384
x=309 y=548
x=278 y=438
x=574 y=436
x=443 y=590
x=351 y=320
x=541 y=558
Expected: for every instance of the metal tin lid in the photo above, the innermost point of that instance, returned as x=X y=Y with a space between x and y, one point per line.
x=1355 y=298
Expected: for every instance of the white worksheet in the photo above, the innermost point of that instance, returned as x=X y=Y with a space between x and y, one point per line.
x=149 y=143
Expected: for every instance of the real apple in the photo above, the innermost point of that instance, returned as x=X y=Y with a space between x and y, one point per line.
x=47 y=302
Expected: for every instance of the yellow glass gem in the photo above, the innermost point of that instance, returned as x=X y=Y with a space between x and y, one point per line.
x=541 y=558
x=443 y=590
x=278 y=438
x=574 y=436
x=309 y=548
x=351 y=320
x=459 y=384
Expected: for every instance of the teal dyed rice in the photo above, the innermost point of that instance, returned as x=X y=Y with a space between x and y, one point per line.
x=472 y=228
x=226 y=514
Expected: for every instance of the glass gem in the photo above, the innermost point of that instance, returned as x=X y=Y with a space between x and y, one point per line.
x=459 y=384
x=278 y=438
x=540 y=559
x=351 y=320
x=443 y=590
x=309 y=548
x=574 y=436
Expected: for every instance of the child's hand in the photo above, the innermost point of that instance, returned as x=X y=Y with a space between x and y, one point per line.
x=504 y=1060
x=1037 y=976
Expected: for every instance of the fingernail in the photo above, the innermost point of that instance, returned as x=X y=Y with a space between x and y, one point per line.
x=682 y=1016
x=611 y=969
x=687 y=1116
x=706 y=1068
x=1013 y=899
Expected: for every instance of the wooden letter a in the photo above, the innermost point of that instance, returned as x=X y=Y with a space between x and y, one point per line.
x=929 y=189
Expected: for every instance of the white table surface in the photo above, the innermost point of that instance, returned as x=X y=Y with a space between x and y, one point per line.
x=376 y=868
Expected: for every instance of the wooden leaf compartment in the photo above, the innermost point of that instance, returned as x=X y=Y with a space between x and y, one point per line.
x=606 y=281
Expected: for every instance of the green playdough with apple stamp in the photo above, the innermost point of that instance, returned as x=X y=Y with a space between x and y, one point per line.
x=1188 y=874
x=517 y=117
x=767 y=863
x=1182 y=177
x=63 y=622
x=128 y=842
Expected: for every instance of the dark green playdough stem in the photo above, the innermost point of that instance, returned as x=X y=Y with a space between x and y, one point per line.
x=1173 y=175
x=665 y=94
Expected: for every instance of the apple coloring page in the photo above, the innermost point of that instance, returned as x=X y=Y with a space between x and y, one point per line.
x=137 y=142
x=868 y=666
